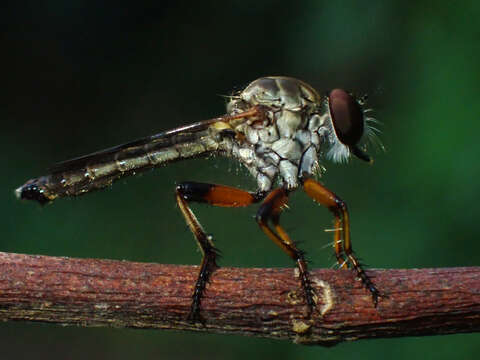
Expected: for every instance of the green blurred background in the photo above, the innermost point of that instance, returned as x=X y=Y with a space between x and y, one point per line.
x=79 y=76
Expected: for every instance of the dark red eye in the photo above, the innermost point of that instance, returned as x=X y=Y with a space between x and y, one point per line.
x=347 y=117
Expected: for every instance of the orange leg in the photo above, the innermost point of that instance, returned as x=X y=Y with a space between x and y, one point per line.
x=270 y=210
x=342 y=226
x=217 y=195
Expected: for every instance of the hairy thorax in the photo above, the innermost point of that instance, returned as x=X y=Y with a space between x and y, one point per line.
x=284 y=144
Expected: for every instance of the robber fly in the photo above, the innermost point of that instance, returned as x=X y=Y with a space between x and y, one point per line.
x=278 y=128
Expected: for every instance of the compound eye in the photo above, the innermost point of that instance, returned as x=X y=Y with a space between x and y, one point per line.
x=347 y=117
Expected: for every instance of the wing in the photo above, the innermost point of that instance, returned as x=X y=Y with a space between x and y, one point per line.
x=162 y=139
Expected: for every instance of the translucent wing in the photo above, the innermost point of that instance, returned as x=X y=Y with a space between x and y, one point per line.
x=163 y=139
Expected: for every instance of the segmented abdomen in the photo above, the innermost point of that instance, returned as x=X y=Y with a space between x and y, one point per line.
x=98 y=170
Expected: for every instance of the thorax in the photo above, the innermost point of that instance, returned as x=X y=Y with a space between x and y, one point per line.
x=285 y=144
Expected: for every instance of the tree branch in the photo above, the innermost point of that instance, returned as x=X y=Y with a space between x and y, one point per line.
x=257 y=302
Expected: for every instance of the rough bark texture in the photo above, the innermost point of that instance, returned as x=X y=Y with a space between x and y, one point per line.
x=256 y=302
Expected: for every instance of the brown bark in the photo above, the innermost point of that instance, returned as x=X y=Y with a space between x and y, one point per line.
x=256 y=302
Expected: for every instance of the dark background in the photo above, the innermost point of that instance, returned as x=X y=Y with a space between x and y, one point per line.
x=78 y=76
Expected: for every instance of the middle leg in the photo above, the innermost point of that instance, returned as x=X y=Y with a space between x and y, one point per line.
x=270 y=210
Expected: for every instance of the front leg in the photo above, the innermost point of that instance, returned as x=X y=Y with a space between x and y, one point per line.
x=217 y=195
x=337 y=206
